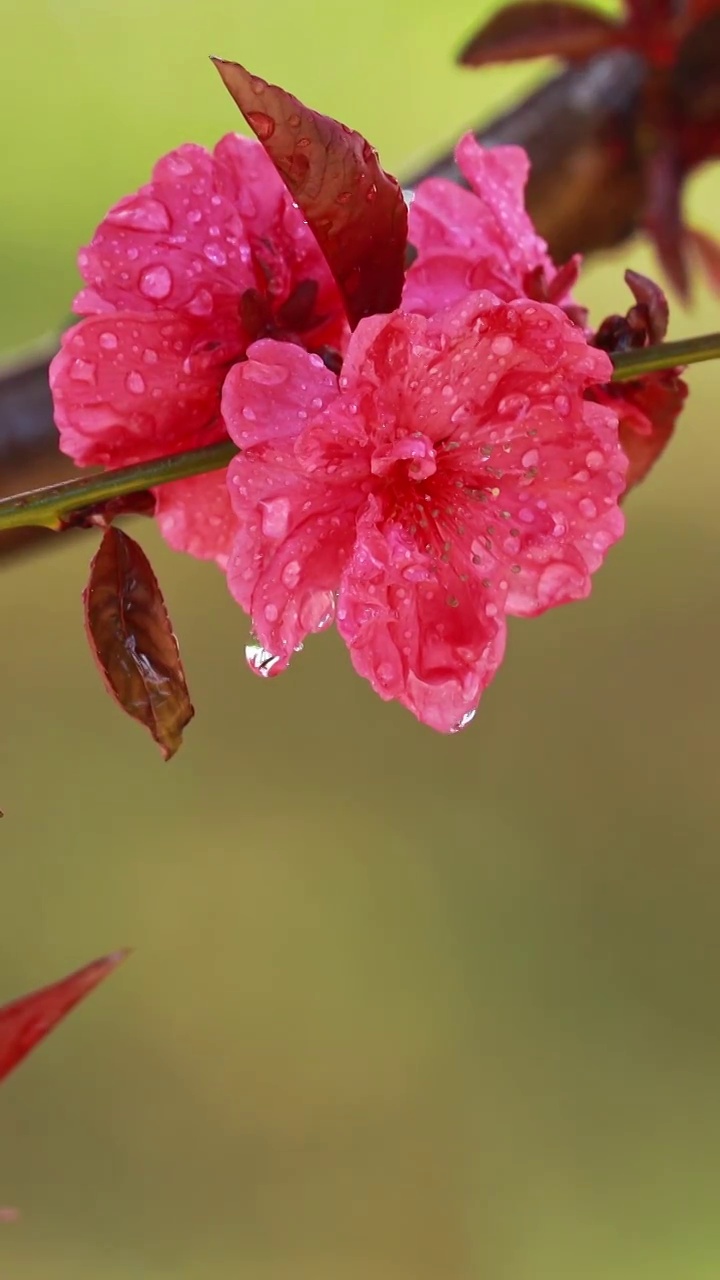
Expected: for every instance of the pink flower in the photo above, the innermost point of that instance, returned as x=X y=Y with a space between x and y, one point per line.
x=481 y=238
x=454 y=474
x=180 y=278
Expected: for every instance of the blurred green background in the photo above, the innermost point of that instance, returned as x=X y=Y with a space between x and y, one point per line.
x=403 y=1007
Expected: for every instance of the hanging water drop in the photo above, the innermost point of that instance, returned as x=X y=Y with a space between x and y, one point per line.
x=261 y=661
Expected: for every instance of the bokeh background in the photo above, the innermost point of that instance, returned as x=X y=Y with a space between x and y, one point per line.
x=402 y=1007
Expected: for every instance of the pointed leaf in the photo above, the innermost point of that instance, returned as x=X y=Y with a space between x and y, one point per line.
x=133 y=642
x=355 y=210
x=26 y=1021
x=540 y=29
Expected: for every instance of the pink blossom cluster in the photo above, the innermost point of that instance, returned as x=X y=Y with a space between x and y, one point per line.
x=416 y=480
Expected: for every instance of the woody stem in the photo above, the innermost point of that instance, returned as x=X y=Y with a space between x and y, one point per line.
x=53 y=506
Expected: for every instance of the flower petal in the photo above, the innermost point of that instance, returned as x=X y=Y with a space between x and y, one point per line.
x=131 y=387
x=196 y=516
x=477 y=239
x=274 y=392
x=178 y=243
x=433 y=642
x=293 y=535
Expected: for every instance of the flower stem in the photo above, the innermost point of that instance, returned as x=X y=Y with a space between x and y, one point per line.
x=634 y=364
x=52 y=507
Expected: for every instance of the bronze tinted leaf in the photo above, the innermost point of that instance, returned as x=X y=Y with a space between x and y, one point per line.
x=133 y=642
x=539 y=29
x=27 y=1021
x=354 y=208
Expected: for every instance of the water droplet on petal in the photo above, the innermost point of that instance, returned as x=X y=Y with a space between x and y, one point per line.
x=108 y=341
x=317 y=610
x=201 y=303
x=156 y=282
x=271 y=612
x=275 y=514
x=150 y=356
x=594 y=460
x=531 y=458
x=463 y=722
x=262 y=661
x=502 y=345
x=142 y=214
x=261 y=123
x=268 y=375
x=135 y=383
x=291 y=574
x=587 y=508
x=179 y=167
x=215 y=254
x=83 y=371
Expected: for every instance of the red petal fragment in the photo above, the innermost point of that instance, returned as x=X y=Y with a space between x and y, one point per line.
x=133 y=642
x=354 y=208
x=27 y=1021
x=540 y=29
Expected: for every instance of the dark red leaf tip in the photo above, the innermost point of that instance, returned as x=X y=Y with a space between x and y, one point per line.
x=355 y=209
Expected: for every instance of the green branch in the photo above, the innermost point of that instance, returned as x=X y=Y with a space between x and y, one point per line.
x=50 y=508
x=634 y=364
x=53 y=507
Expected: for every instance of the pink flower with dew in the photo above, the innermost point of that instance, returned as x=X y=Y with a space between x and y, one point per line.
x=481 y=238
x=180 y=278
x=454 y=474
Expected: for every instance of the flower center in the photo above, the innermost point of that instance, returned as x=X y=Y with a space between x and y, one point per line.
x=414 y=454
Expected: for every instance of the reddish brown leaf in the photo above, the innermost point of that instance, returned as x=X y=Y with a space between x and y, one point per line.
x=355 y=210
x=27 y=1021
x=540 y=29
x=133 y=642
x=649 y=406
